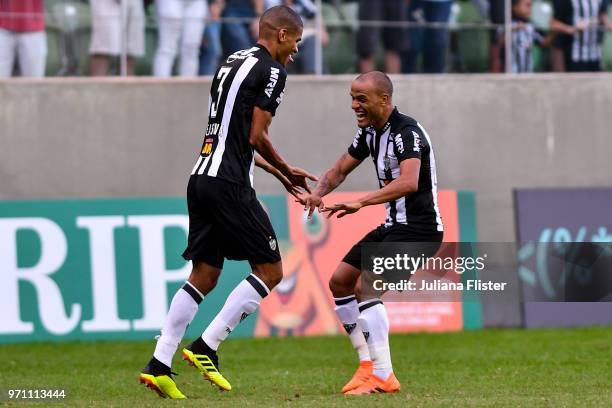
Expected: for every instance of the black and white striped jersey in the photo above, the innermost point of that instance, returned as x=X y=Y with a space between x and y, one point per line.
x=400 y=139
x=584 y=45
x=248 y=78
x=524 y=37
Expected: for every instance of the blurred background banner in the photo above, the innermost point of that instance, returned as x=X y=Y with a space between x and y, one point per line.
x=107 y=269
x=563 y=221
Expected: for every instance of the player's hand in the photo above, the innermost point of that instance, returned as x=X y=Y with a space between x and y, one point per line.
x=343 y=209
x=298 y=177
x=312 y=202
x=581 y=25
x=291 y=188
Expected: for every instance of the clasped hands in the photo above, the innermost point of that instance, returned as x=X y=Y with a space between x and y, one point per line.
x=313 y=201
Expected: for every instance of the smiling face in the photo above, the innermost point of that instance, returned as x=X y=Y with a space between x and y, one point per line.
x=287 y=45
x=371 y=106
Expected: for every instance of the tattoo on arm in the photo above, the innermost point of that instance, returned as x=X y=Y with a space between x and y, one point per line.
x=331 y=179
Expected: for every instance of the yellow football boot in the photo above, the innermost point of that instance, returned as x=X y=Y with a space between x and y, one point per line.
x=205 y=360
x=158 y=378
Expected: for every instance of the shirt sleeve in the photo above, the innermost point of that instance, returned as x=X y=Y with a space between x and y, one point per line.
x=359 y=148
x=407 y=143
x=271 y=89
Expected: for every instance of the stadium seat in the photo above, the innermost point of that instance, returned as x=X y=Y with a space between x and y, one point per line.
x=472 y=43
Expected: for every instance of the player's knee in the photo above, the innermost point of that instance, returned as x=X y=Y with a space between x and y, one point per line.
x=338 y=288
x=358 y=291
x=271 y=275
x=274 y=279
x=204 y=277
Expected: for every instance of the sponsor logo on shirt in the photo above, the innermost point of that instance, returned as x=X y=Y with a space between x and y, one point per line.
x=356 y=139
x=242 y=54
x=399 y=143
x=273 y=79
x=417 y=142
x=280 y=98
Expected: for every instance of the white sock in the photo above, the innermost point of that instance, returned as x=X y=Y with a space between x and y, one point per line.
x=348 y=313
x=243 y=301
x=375 y=324
x=183 y=309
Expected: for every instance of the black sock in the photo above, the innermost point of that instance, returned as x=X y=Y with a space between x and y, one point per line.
x=156 y=367
x=200 y=347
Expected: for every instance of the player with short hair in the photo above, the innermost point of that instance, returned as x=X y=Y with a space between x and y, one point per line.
x=225 y=218
x=406 y=171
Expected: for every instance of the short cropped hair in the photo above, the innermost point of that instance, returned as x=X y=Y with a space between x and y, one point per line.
x=382 y=82
x=279 y=17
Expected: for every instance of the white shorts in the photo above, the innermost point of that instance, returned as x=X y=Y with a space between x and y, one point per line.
x=107 y=33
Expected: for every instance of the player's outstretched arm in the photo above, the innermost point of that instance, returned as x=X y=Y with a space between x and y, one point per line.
x=263 y=145
x=407 y=183
x=261 y=163
x=331 y=179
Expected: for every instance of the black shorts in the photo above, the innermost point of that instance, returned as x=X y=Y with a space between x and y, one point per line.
x=393 y=233
x=580 y=66
x=380 y=10
x=227 y=221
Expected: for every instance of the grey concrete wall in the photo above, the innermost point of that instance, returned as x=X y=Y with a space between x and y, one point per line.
x=139 y=137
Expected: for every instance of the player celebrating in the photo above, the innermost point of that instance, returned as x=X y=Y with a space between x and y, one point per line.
x=406 y=172
x=225 y=218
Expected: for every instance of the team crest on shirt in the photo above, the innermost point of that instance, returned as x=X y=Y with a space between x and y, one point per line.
x=272 y=243
x=366 y=335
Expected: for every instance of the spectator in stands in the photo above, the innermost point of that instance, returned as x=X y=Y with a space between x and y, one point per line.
x=107 y=39
x=22 y=35
x=581 y=32
x=179 y=20
x=211 y=50
x=524 y=37
x=305 y=60
x=391 y=11
x=238 y=35
x=431 y=42
x=497 y=17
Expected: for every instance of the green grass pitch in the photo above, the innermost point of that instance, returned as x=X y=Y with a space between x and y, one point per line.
x=550 y=368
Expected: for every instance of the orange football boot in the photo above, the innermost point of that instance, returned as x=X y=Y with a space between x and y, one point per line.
x=376 y=385
x=362 y=375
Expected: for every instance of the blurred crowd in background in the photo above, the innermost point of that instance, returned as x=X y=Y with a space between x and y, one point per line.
x=190 y=37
